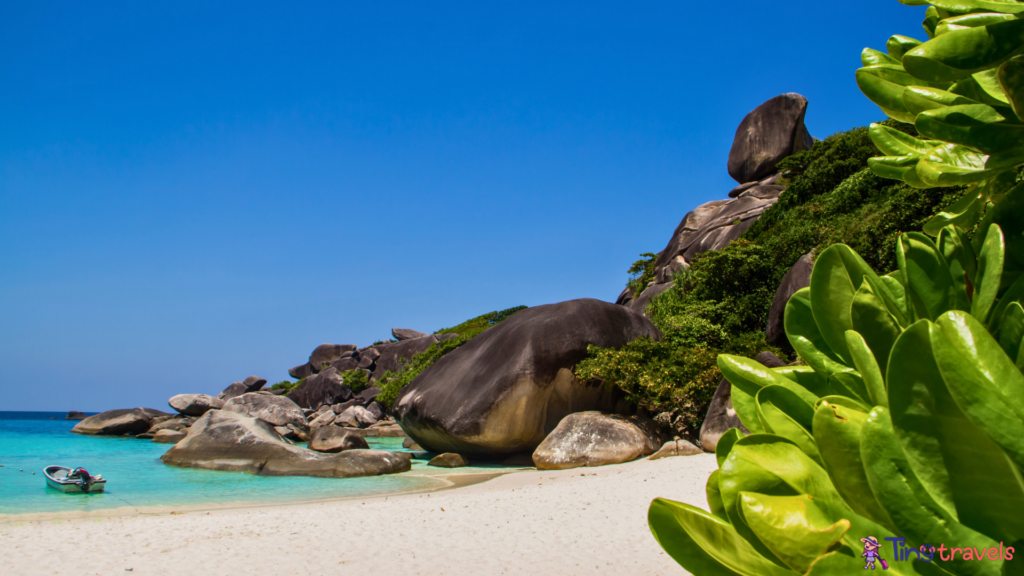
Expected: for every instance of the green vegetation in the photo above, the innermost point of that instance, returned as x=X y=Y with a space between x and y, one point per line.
x=720 y=304
x=357 y=380
x=908 y=420
x=287 y=385
x=641 y=273
x=391 y=383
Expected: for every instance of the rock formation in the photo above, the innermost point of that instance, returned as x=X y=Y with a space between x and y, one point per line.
x=118 y=422
x=332 y=439
x=768 y=134
x=507 y=389
x=595 y=439
x=274 y=410
x=798 y=277
x=195 y=404
x=721 y=416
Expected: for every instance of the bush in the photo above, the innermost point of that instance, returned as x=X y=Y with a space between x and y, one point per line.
x=641 y=273
x=287 y=385
x=356 y=379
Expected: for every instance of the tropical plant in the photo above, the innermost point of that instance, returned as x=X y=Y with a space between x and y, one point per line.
x=908 y=420
x=963 y=90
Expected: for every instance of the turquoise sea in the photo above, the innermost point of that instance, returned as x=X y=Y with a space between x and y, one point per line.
x=136 y=478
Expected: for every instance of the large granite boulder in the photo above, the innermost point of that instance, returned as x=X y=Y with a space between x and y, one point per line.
x=195 y=404
x=721 y=416
x=595 y=439
x=250 y=384
x=229 y=441
x=301 y=371
x=168 y=436
x=798 y=278
x=768 y=134
x=118 y=422
x=275 y=410
x=327 y=387
x=640 y=304
x=331 y=439
x=75 y=415
x=401 y=334
x=327 y=353
x=448 y=460
x=345 y=364
x=675 y=447
x=393 y=357
x=254 y=383
x=505 y=390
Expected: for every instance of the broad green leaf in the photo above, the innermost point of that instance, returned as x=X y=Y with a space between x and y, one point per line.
x=950 y=164
x=988 y=81
x=868 y=368
x=871 y=57
x=838 y=273
x=704 y=544
x=892 y=142
x=725 y=444
x=971 y=21
x=805 y=376
x=939 y=440
x=1013 y=295
x=893 y=167
x=896 y=283
x=884 y=85
x=792 y=527
x=1007 y=215
x=785 y=414
x=714 y=495
x=986 y=384
x=965 y=6
x=898 y=45
x=1011 y=331
x=1011 y=80
x=806 y=339
x=837 y=432
x=989 y=275
x=919 y=99
x=912 y=511
x=977 y=126
x=959 y=53
x=874 y=323
x=930 y=284
x=959 y=255
x=914 y=383
x=844 y=401
x=849 y=384
x=981 y=92
x=747 y=378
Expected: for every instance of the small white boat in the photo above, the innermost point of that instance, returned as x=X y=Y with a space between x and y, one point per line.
x=76 y=480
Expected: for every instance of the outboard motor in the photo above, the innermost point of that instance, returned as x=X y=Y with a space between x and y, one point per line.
x=83 y=475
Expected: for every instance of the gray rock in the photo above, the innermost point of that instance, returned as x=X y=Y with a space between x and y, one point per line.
x=169 y=424
x=168 y=436
x=367 y=395
x=370 y=353
x=666 y=272
x=356 y=416
x=409 y=444
x=195 y=404
x=301 y=371
x=770 y=360
x=327 y=387
x=768 y=134
x=118 y=422
x=235 y=442
x=640 y=304
x=739 y=189
x=448 y=460
x=798 y=277
x=375 y=409
x=275 y=410
x=720 y=418
x=625 y=297
x=595 y=439
x=327 y=353
x=763 y=192
x=345 y=364
x=401 y=334
x=367 y=363
x=446 y=336
x=331 y=439
x=75 y=415
x=323 y=419
x=254 y=383
x=339 y=408
x=675 y=448
x=235 y=389
x=505 y=390
x=392 y=358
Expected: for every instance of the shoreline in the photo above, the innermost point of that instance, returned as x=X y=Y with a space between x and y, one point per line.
x=576 y=521
x=453 y=480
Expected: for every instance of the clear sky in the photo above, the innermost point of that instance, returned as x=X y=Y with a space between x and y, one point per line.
x=193 y=192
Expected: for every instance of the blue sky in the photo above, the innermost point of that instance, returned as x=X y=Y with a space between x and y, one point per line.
x=191 y=193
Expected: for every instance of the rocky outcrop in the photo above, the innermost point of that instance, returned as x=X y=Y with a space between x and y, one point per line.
x=401 y=334
x=448 y=460
x=356 y=417
x=327 y=353
x=507 y=389
x=768 y=134
x=235 y=442
x=331 y=439
x=275 y=410
x=195 y=404
x=301 y=371
x=327 y=387
x=393 y=357
x=595 y=439
x=798 y=278
x=75 y=415
x=168 y=436
x=721 y=416
x=118 y=422
x=640 y=304
x=675 y=448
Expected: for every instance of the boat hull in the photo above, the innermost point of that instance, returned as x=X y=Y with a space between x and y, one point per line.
x=71 y=486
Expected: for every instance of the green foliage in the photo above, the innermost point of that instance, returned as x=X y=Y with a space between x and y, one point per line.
x=287 y=385
x=391 y=383
x=641 y=273
x=908 y=420
x=357 y=380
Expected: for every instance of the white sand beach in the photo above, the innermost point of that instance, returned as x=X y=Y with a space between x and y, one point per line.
x=580 y=521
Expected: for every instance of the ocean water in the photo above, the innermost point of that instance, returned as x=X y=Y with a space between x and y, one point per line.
x=136 y=478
